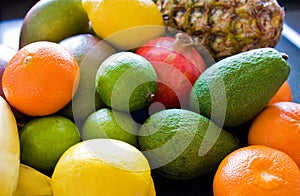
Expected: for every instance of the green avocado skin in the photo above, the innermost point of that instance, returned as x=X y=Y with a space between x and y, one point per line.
x=181 y=144
x=235 y=89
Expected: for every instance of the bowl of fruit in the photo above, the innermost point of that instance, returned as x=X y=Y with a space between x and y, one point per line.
x=142 y=97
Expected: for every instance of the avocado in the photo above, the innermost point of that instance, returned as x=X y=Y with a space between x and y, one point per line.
x=234 y=90
x=181 y=144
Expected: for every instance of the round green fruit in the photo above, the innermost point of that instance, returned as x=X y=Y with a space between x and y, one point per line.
x=108 y=123
x=126 y=81
x=43 y=140
x=53 y=21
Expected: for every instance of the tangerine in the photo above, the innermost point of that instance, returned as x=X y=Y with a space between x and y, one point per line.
x=277 y=126
x=41 y=78
x=257 y=170
x=283 y=94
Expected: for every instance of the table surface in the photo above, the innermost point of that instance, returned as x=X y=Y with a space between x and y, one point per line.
x=11 y=15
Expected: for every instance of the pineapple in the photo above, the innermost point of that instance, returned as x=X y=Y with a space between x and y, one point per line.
x=226 y=27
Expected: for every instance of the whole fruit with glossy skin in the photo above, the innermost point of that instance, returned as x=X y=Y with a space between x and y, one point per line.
x=277 y=126
x=53 y=21
x=125 y=24
x=108 y=123
x=9 y=150
x=177 y=65
x=257 y=170
x=284 y=93
x=32 y=182
x=41 y=78
x=43 y=140
x=126 y=81
x=102 y=167
x=226 y=27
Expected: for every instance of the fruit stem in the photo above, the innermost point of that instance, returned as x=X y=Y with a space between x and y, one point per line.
x=27 y=60
x=285 y=56
x=150 y=96
x=183 y=43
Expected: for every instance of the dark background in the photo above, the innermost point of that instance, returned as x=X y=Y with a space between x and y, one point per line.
x=16 y=9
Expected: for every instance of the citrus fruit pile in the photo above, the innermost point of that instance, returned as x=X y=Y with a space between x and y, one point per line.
x=105 y=100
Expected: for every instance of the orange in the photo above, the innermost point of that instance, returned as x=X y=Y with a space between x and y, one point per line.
x=41 y=78
x=257 y=170
x=278 y=126
x=283 y=94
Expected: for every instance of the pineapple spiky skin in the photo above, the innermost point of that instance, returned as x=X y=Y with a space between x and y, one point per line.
x=226 y=27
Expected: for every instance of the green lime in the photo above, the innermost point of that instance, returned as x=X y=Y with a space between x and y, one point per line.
x=90 y=52
x=108 y=123
x=43 y=140
x=53 y=21
x=126 y=81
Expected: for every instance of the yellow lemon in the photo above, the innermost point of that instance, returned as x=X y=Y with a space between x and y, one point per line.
x=125 y=23
x=102 y=167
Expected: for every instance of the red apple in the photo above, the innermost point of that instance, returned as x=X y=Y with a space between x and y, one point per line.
x=177 y=64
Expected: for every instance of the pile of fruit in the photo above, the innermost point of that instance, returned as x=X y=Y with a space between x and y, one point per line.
x=102 y=95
